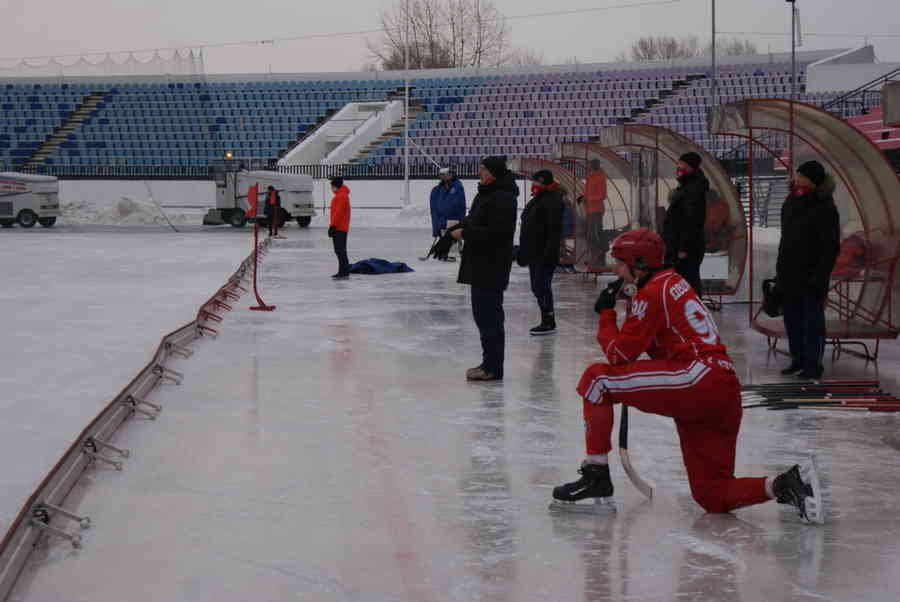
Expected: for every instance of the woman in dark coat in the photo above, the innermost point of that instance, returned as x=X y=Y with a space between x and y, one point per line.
x=539 y=244
x=810 y=242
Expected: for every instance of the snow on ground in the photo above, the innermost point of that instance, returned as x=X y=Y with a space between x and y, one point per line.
x=85 y=307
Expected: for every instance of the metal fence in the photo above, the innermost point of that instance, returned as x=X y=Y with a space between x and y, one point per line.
x=348 y=171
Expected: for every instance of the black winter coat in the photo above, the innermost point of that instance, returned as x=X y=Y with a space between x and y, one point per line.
x=683 y=228
x=488 y=231
x=810 y=242
x=541 y=229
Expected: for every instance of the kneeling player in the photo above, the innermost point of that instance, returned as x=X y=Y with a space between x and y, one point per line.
x=689 y=377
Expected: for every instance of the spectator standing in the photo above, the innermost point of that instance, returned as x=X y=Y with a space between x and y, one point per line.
x=448 y=202
x=595 y=209
x=684 y=223
x=488 y=232
x=339 y=227
x=539 y=240
x=809 y=246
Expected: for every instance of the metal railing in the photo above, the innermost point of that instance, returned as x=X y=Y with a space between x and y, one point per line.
x=357 y=171
x=43 y=514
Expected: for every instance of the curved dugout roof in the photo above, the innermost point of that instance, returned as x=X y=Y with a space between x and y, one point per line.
x=726 y=224
x=867 y=196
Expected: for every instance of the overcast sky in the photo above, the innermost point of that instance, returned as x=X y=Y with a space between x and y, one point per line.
x=39 y=28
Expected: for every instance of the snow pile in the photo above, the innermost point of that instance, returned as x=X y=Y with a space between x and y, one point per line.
x=127 y=211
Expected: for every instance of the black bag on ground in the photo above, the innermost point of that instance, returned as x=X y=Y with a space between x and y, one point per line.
x=772 y=298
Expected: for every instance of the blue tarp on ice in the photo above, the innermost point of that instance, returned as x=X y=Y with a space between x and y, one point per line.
x=374 y=265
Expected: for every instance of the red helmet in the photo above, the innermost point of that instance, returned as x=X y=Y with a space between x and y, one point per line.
x=643 y=249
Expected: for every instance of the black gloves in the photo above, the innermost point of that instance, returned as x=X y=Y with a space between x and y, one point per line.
x=607 y=299
x=441 y=249
x=331 y=231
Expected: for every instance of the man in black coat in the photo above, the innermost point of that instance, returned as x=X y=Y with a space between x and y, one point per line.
x=685 y=220
x=539 y=244
x=489 y=230
x=810 y=243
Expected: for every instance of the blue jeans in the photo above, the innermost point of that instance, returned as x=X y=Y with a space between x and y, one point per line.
x=487 y=309
x=804 y=321
x=541 y=286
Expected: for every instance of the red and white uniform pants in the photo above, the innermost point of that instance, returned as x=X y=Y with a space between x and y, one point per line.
x=704 y=399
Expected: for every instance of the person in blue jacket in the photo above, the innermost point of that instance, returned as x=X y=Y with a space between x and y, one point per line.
x=448 y=202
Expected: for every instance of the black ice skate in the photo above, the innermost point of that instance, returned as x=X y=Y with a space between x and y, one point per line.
x=594 y=486
x=800 y=488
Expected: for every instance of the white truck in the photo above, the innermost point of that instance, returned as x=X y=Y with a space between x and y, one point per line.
x=28 y=199
x=296 y=192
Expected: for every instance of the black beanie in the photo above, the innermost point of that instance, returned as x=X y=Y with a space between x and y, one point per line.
x=692 y=159
x=814 y=171
x=544 y=176
x=495 y=165
x=337 y=181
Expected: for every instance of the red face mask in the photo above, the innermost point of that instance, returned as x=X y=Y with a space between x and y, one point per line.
x=682 y=170
x=536 y=188
x=801 y=189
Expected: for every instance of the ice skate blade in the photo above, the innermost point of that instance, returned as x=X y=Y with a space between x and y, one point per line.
x=601 y=506
x=815 y=505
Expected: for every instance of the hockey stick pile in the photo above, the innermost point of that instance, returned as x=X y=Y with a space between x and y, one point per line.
x=839 y=395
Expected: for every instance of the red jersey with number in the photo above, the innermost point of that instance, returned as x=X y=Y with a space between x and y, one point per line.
x=668 y=321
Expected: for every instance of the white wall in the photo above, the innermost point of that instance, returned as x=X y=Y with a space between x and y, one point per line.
x=165 y=192
x=840 y=77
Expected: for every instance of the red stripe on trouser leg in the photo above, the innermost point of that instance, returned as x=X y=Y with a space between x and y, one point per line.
x=706 y=406
x=598 y=426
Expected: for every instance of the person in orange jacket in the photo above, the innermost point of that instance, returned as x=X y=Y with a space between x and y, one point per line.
x=340 y=226
x=595 y=208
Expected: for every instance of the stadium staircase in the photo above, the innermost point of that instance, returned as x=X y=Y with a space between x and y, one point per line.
x=664 y=94
x=83 y=112
x=394 y=131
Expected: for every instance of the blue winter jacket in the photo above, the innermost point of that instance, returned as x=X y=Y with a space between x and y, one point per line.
x=447 y=203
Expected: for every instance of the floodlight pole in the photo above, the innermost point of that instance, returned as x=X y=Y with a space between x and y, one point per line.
x=793 y=4
x=406 y=112
x=712 y=47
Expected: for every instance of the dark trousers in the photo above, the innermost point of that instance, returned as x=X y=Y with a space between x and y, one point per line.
x=339 y=240
x=541 y=286
x=804 y=321
x=487 y=309
x=689 y=269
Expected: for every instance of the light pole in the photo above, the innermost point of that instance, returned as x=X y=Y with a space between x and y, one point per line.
x=406 y=112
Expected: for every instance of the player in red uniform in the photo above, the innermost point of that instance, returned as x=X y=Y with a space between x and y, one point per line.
x=689 y=377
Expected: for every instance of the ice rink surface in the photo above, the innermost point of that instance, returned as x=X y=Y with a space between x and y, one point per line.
x=332 y=451
x=84 y=309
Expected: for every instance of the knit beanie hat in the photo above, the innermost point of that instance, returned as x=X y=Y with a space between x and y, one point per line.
x=495 y=165
x=814 y=171
x=692 y=159
x=544 y=176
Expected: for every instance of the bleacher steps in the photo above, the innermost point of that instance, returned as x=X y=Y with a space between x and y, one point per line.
x=396 y=129
x=77 y=117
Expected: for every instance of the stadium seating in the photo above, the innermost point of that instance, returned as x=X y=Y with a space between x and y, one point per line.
x=193 y=123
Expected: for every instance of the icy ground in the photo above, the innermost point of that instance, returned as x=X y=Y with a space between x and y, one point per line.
x=84 y=309
x=332 y=451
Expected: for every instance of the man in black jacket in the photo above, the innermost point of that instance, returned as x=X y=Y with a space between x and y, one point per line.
x=810 y=242
x=539 y=244
x=488 y=231
x=683 y=225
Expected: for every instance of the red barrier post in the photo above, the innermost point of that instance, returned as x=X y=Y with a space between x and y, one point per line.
x=253 y=200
